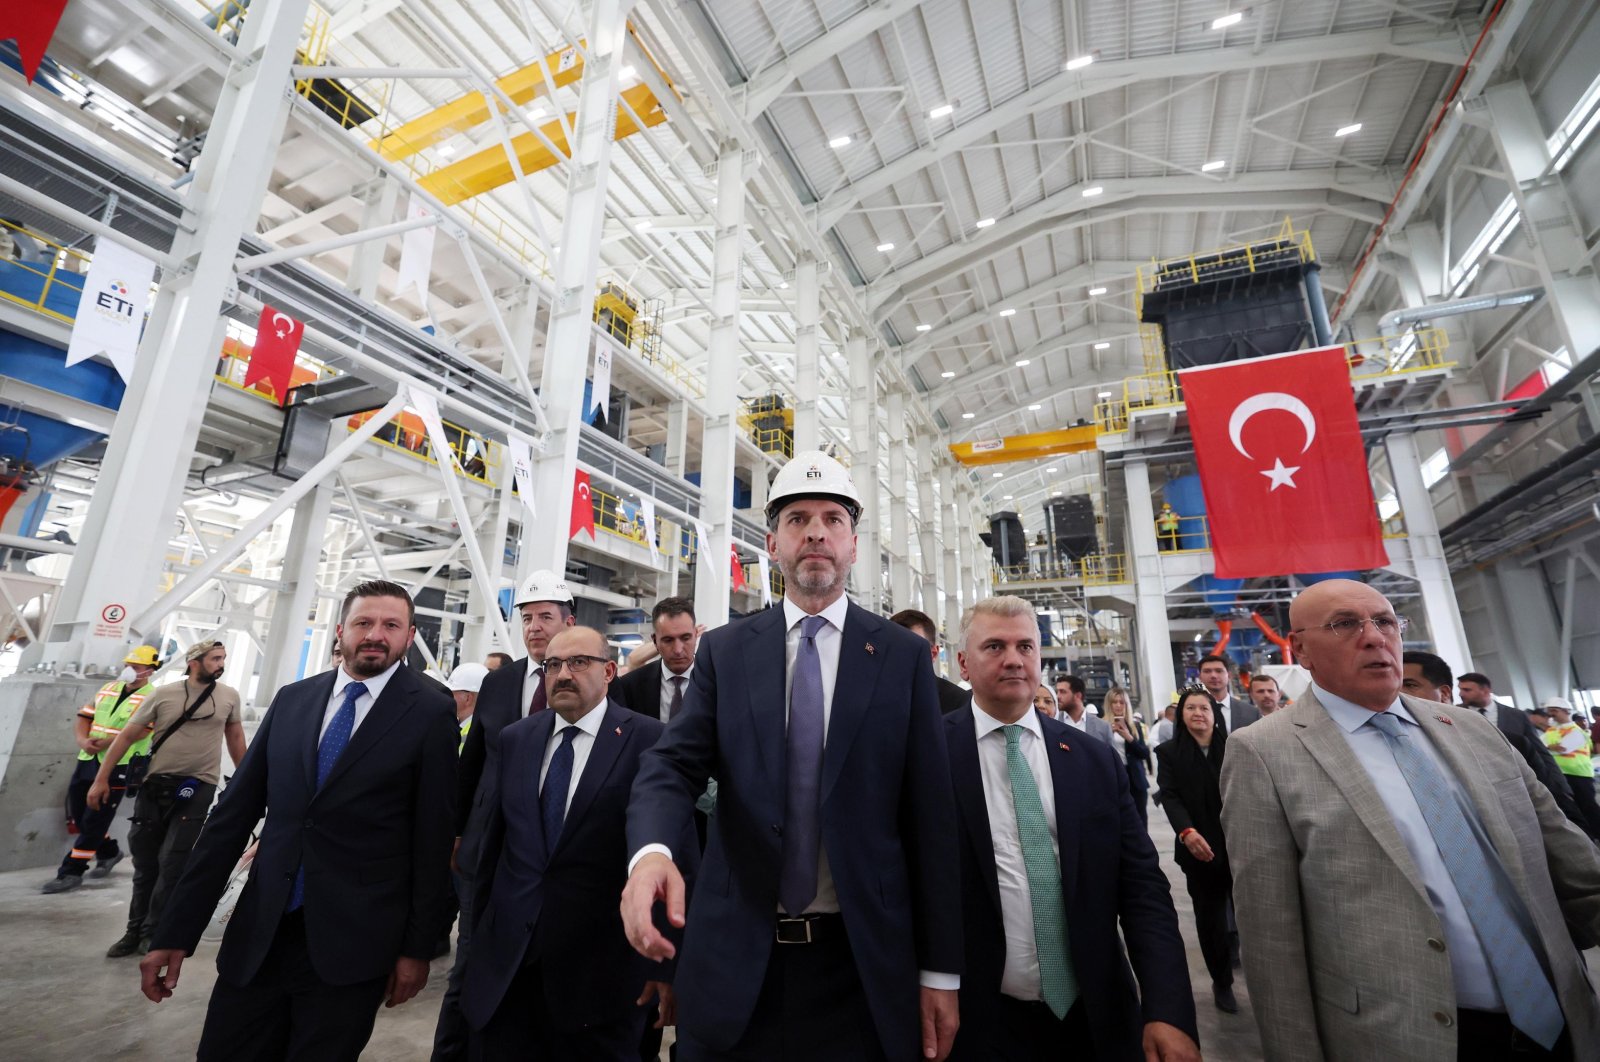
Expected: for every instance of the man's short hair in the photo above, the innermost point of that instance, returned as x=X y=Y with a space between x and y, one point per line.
x=1262 y=678
x=378 y=588
x=1213 y=658
x=672 y=606
x=1434 y=669
x=1540 y=712
x=1471 y=676
x=1073 y=683
x=921 y=622
x=1002 y=607
x=505 y=659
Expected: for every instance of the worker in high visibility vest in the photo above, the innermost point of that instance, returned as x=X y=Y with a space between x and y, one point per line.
x=1167 y=527
x=1569 y=744
x=97 y=726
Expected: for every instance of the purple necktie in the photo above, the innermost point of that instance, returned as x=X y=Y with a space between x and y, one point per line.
x=677 y=698
x=802 y=834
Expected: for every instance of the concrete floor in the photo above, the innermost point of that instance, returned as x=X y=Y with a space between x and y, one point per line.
x=63 y=1000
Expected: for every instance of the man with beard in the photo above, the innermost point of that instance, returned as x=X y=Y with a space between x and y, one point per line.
x=827 y=918
x=186 y=723
x=354 y=770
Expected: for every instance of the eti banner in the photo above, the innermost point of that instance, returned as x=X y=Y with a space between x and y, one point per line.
x=116 y=295
x=1282 y=465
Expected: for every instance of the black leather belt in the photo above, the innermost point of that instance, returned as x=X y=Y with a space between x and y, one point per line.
x=809 y=929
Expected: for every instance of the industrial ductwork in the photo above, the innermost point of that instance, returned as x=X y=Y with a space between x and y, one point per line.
x=1389 y=322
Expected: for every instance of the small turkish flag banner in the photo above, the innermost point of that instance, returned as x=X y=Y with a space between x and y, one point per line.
x=1282 y=465
x=31 y=23
x=277 y=342
x=736 y=573
x=582 y=505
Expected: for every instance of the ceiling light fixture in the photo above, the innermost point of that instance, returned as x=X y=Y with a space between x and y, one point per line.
x=1346 y=130
x=1049 y=471
x=1105 y=394
x=782 y=284
x=1007 y=312
x=1091 y=192
x=839 y=142
x=1078 y=63
x=1055 y=494
x=1225 y=21
x=924 y=327
x=1023 y=363
x=1008 y=497
x=1102 y=346
x=628 y=74
x=968 y=416
x=446 y=150
x=985 y=223
x=942 y=111
x=885 y=247
x=644 y=225
x=947 y=375
x=1035 y=408
x=997 y=475
x=1213 y=165
x=1096 y=292
x=537 y=111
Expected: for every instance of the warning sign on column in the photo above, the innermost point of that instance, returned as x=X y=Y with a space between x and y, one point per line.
x=113 y=622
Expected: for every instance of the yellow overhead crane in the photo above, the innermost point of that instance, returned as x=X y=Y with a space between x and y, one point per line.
x=1025 y=447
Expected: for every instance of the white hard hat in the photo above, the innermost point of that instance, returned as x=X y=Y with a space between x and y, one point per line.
x=467 y=678
x=543 y=585
x=813 y=474
x=1557 y=702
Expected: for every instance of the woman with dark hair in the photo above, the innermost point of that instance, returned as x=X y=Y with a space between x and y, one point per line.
x=1190 y=768
x=1131 y=740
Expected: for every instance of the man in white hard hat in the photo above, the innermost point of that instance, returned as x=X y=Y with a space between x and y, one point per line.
x=827 y=918
x=465 y=682
x=505 y=695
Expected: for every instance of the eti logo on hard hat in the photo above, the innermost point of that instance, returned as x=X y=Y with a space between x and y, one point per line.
x=813 y=472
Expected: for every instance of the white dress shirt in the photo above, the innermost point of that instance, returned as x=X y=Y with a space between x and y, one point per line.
x=1080 y=723
x=364 y=703
x=666 y=689
x=1020 y=978
x=829 y=638
x=530 y=683
x=1469 y=967
x=582 y=745
x=1225 y=709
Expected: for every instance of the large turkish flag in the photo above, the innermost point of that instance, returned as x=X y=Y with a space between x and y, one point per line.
x=31 y=23
x=1282 y=465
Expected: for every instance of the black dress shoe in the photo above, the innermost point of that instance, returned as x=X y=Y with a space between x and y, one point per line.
x=126 y=946
x=1222 y=996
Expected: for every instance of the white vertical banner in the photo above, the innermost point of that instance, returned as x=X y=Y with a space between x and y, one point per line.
x=703 y=541
x=427 y=407
x=116 y=294
x=416 y=253
x=522 y=469
x=647 y=509
x=766 y=579
x=600 y=388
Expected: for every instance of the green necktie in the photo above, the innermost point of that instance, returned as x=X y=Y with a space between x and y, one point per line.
x=1057 y=982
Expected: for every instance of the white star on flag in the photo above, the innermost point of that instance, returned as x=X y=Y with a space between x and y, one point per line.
x=1280 y=474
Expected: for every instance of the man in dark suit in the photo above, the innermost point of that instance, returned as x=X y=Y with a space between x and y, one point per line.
x=951 y=696
x=657 y=689
x=827 y=918
x=552 y=974
x=1427 y=676
x=1234 y=713
x=544 y=603
x=1053 y=856
x=354 y=770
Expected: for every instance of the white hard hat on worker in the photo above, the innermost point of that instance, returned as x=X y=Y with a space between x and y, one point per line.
x=545 y=602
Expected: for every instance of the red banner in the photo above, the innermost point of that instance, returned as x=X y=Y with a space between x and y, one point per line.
x=31 y=23
x=277 y=342
x=582 y=505
x=736 y=573
x=1282 y=465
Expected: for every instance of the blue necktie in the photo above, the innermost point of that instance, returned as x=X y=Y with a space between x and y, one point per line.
x=553 y=797
x=1530 y=1000
x=802 y=834
x=1058 y=982
x=334 y=739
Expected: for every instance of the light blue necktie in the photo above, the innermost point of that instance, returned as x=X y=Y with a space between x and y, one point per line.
x=802 y=832
x=1058 y=984
x=1530 y=1000
x=334 y=739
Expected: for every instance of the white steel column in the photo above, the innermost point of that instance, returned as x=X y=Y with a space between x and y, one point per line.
x=124 y=540
x=979 y=585
x=378 y=200
x=719 y=443
x=479 y=634
x=677 y=445
x=898 y=484
x=928 y=528
x=571 y=335
x=292 y=605
x=807 y=308
x=1427 y=552
x=864 y=470
x=1154 y=633
x=952 y=559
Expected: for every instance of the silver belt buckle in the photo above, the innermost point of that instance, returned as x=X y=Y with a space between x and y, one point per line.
x=806 y=922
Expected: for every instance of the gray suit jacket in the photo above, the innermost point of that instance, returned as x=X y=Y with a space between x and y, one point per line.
x=1342 y=949
x=1093 y=725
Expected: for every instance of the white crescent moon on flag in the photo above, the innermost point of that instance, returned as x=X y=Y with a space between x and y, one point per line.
x=285 y=318
x=1260 y=404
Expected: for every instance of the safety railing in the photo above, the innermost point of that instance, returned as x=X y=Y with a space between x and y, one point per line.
x=1232 y=261
x=474 y=455
x=233 y=365
x=625 y=520
x=40 y=274
x=1192 y=534
x=1103 y=569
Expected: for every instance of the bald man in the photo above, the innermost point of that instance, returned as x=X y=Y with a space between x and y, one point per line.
x=1403 y=883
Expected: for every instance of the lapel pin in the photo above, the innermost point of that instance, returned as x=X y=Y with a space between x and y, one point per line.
x=1064 y=747
x=870 y=649
x=1446 y=720
x=619 y=731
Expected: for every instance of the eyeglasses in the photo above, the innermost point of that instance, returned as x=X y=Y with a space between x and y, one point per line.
x=1350 y=626
x=575 y=664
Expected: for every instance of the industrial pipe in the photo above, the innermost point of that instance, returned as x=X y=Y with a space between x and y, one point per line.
x=1493 y=300
x=1225 y=629
x=1274 y=637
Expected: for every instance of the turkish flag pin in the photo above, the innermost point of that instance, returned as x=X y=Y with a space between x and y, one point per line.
x=1064 y=747
x=1446 y=720
x=619 y=731
x=870 y=649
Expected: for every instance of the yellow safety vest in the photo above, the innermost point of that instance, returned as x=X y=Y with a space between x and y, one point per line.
x=108 y=718
x=1167 y=523
x=466 y=725
x=1578 y=764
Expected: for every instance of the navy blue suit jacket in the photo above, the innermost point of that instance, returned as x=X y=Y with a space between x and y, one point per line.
x=562 y=910
x=374 y=839
x=1109 y=873
x=887 y=818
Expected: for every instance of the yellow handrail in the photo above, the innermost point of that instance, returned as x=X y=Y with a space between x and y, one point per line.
x=60 y=274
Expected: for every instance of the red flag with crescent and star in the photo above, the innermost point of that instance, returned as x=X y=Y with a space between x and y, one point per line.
x=31 y=23
x=1282 y=465
x=736 y=572
x=277 y=342
x=582 y=505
